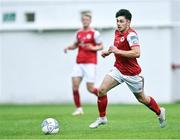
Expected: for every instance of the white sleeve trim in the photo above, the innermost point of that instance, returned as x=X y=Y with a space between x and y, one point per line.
x=133 y=39
x=97 y=37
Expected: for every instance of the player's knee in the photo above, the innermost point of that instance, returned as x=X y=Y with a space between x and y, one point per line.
x=76 y=85
x=75 y=88
x=142 y=100
x=102 y=91
x=90 y=89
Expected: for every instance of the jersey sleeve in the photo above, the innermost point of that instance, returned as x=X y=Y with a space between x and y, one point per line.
x=97 y=37
x=133 y=39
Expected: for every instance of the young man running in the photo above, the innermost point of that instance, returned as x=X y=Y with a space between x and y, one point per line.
x=126 y=50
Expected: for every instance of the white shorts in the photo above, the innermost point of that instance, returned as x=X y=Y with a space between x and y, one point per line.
x=135 y=83
x=87 y=71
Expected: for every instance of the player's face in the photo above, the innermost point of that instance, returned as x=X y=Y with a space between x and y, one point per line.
x=122 y=23
x=86 y=21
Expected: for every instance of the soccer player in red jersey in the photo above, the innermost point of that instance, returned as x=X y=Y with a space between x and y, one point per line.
x=126 y=50
x=88 y=42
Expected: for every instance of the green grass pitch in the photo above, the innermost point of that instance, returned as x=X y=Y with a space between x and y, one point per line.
x=125 y=122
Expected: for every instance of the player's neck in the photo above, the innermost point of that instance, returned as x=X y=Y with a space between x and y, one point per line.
x=86 y=28
x=122 y=32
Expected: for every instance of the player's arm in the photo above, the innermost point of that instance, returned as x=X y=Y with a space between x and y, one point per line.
x=133 y=53
x=133 y=41
x=105 y=53
x=71 y=47
x=98 y=47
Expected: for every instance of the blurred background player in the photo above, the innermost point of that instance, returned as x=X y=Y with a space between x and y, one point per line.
x=88 y=42
x=126 y=49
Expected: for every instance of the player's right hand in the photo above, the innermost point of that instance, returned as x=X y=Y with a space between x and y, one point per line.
x=104 y=54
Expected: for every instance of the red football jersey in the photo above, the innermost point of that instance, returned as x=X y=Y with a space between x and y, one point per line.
x=83 y=38
x=125 y=41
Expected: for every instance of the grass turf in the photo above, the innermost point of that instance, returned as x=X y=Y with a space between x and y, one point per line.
x=125 y=122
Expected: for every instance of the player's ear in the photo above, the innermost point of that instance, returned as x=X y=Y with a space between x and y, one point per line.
x=128 y=22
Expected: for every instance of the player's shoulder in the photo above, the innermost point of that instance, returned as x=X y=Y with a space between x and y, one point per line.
x=79 y=30
x=116 y=32
x=132 y=37
x=132 y=31
x=93 y=30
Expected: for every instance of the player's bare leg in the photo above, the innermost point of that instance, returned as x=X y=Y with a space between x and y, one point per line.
x=76 y=96
x=91 y=88
x=107 y=84
x=151 y=104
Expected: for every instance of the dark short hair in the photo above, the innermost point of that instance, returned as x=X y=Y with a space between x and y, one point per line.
x=125 y=13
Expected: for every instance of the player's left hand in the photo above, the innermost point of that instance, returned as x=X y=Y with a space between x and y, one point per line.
x=105 y=53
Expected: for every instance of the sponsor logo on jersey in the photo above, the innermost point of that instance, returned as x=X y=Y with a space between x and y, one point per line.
x=134 y=40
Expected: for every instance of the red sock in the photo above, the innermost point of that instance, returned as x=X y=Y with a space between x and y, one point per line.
x=102 y=104
x=154 y=106
x=76 y=97
x=95 y=91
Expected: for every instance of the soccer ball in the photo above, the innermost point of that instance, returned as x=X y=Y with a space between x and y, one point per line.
x=50 y=126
